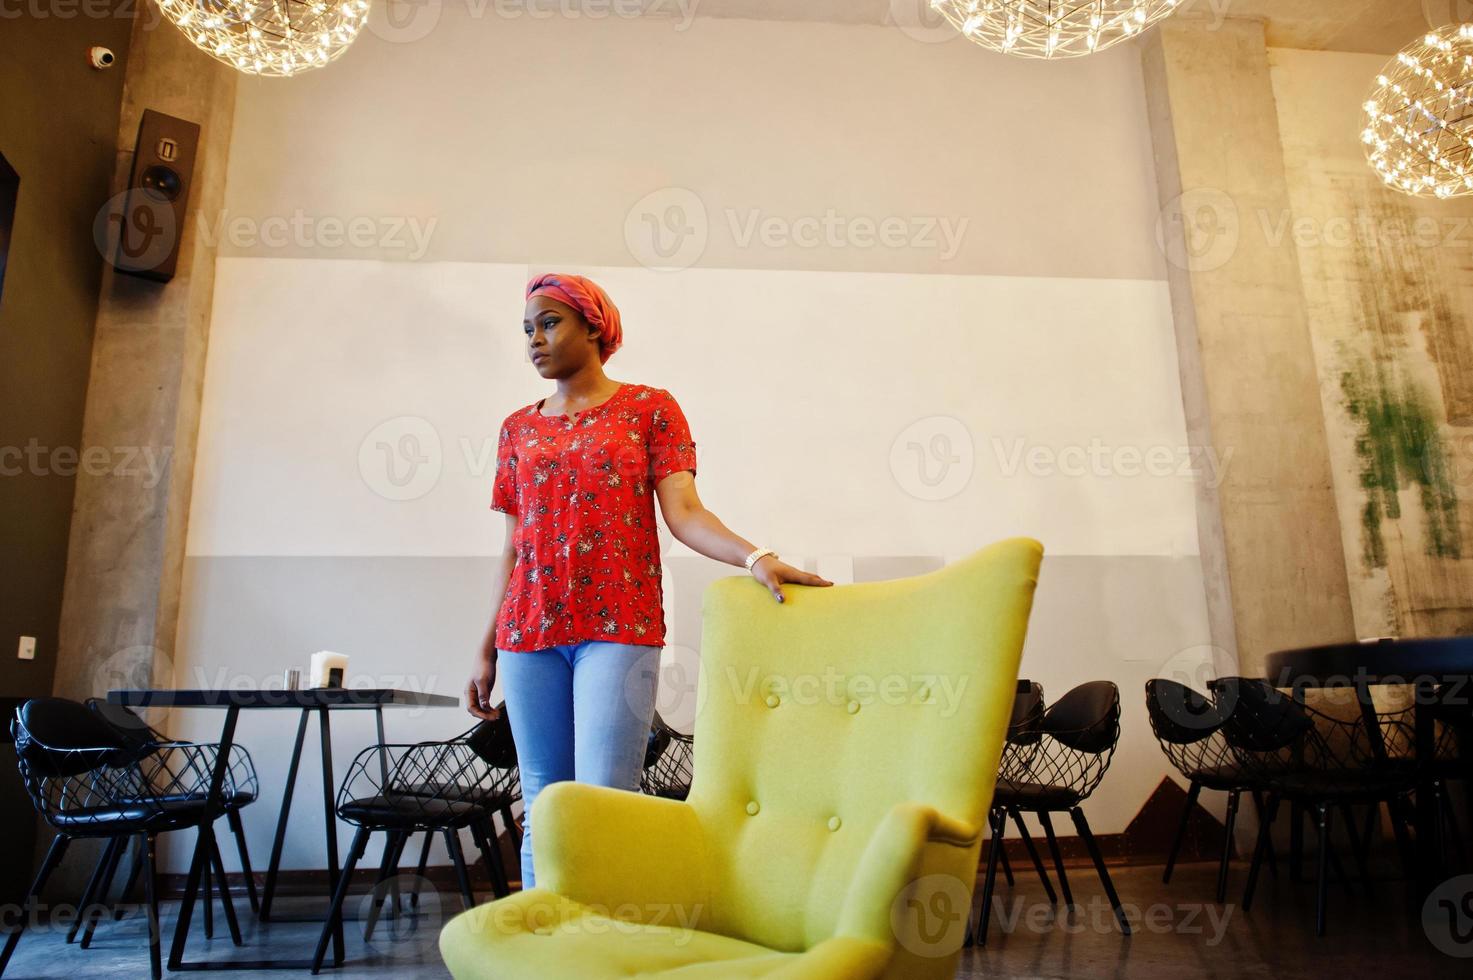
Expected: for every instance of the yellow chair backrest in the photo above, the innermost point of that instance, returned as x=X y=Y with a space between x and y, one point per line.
x=818 y=715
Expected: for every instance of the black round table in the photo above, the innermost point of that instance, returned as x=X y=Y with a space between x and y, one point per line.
x=1422 y=664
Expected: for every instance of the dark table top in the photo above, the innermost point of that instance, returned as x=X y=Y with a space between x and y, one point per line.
x=317 y=697
x=1410 y=661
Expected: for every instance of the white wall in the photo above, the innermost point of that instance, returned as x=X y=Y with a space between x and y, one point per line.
x=852 y=403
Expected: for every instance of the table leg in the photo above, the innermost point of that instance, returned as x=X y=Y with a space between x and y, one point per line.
x=330 y=816
x=202 y=840
x=274 y=867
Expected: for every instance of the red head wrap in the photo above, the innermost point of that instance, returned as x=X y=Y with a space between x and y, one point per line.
x=589 y=299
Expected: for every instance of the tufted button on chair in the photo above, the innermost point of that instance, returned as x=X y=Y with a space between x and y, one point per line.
x=894 y=702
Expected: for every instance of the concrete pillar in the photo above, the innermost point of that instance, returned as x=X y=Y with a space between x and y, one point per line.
x=1270 y=535
x=126 y=550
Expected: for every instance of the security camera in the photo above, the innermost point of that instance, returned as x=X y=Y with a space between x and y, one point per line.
x=101 y=57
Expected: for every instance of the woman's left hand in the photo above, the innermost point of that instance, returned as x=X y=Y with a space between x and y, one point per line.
x=773 y=573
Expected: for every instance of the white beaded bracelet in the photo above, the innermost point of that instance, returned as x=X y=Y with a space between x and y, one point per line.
x=758 y=555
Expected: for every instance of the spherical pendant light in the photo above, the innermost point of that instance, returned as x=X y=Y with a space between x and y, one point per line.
x=1052 y=28
x=277 y=38
x=1419 y=115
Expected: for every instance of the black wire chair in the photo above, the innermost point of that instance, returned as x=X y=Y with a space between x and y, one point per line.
x=1019 y=747
x=1076 y=739
x=405 y=789
x=1319 y=762
x=494 y=784
x=1188 y=727
x=87 y=782
x=669 y=762
x=242 y=788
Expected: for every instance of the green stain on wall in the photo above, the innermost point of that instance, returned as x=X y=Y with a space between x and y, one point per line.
x=1399 y=444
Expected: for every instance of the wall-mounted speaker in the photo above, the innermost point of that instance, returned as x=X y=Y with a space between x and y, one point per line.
x=158 y=190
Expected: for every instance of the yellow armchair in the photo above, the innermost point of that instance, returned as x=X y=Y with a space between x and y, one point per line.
x=846 y=746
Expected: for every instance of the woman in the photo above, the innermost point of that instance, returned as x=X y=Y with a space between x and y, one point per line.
x=579 y=619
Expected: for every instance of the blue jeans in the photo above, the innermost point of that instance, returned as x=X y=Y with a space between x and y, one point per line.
x=608 y=687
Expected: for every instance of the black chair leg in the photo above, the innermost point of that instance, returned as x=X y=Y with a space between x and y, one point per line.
x=393 y=847
x=419 y=873
x=484 y=833
x=1358 y=847
x=133 y=874
x=94 y=914
x=335 y=912
x=149 y=848
x=1193 y=791
x=1322 y=885
x=1048 y=887
x=462 y=873
x=1273 y=857
x=226 y=903
x=89 y=895
x=48 y=864
x=1094 y=852
x=1296 y=842
x=1007 y=867
x=208 y=891
x=1337 y=869
x=1398 y=817
x=1227 y=846
x=237 y=827
x=999 y=827
x=1058 y=855
x=516 y=832
x=1265 y=831
x=1451 y=830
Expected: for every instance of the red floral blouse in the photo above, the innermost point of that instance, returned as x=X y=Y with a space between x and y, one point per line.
x=587 y=547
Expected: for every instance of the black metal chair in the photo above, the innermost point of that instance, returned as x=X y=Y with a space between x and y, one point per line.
x=1076 y=739
x=1318 y=762
x=1188 y=727
x=1025 y=731
x=87 y=782
x=404 y=789
x=669 y=762
x=243 y=789
x=494 y=784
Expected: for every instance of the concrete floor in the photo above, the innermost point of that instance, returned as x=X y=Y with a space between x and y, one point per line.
x=1371 y=936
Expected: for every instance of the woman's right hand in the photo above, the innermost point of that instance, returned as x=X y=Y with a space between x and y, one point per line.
x=478 y=691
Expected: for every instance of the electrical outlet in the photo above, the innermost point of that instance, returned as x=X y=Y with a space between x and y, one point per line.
x=27 y=649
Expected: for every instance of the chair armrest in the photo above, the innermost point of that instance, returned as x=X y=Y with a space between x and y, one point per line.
x=632 y=856
x=889 y=863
